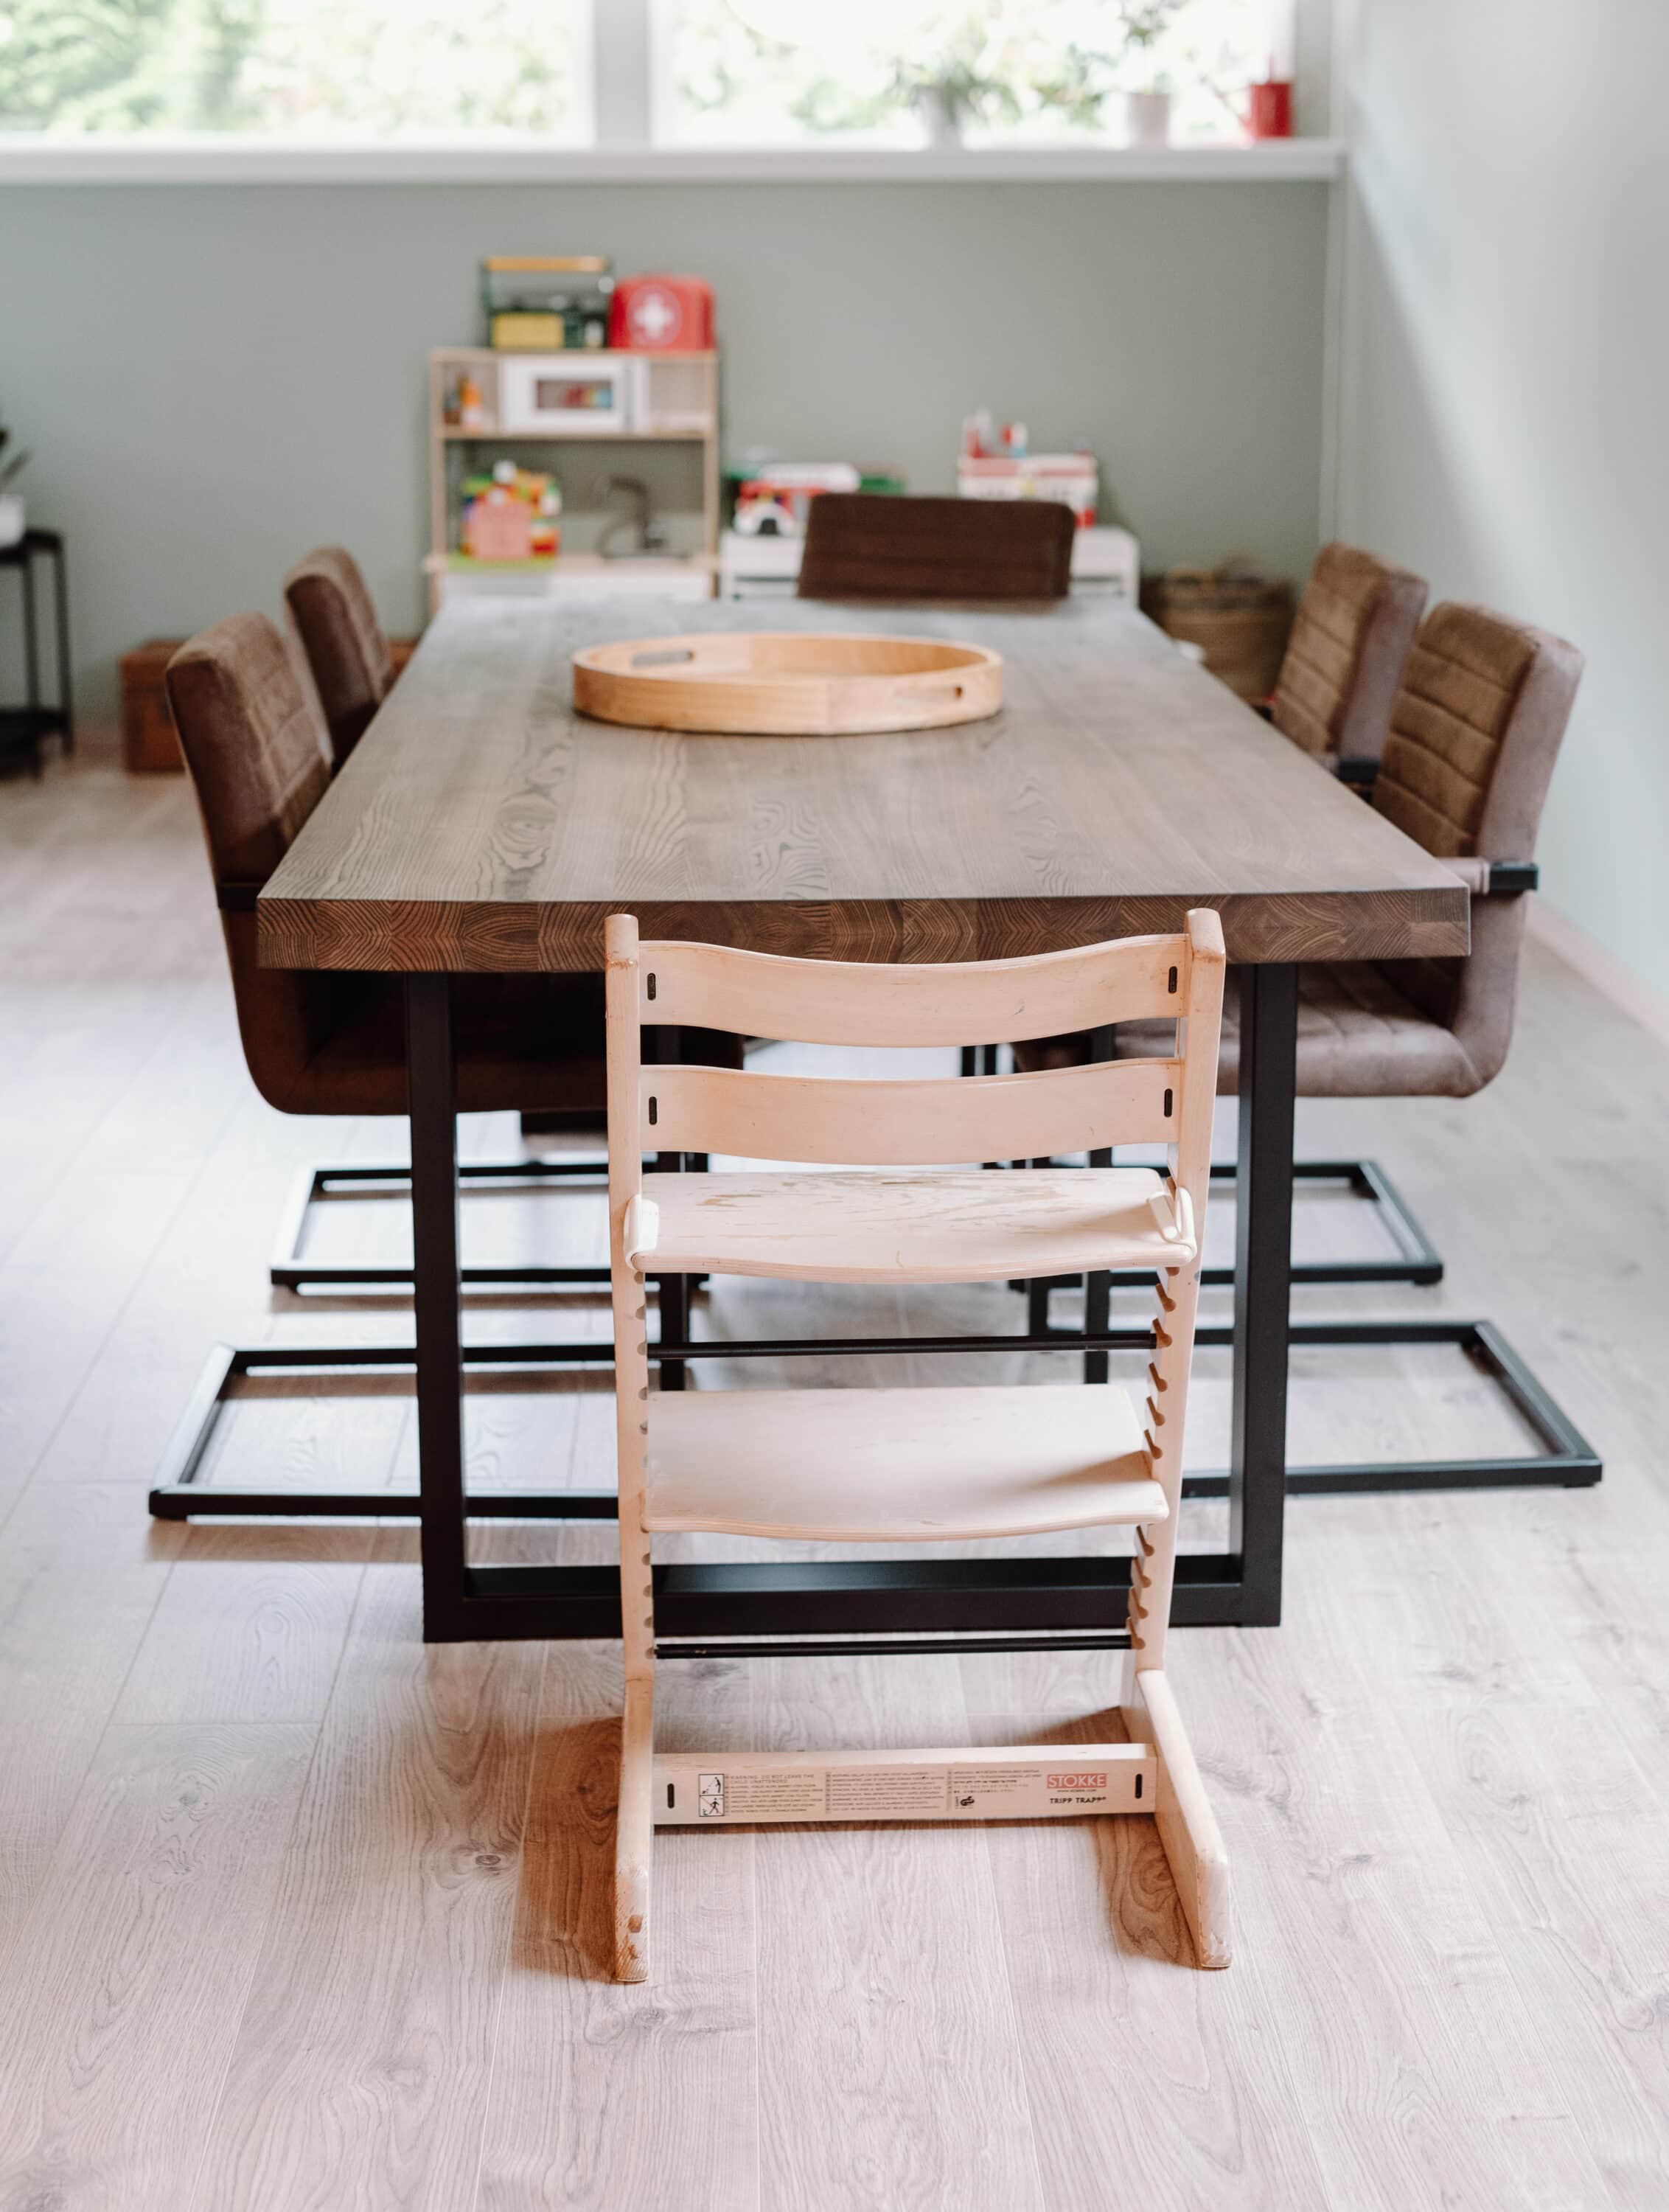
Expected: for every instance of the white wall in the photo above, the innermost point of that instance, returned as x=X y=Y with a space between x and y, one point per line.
x=1504 y=377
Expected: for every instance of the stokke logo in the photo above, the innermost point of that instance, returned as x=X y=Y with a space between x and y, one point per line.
x=1090 y=1781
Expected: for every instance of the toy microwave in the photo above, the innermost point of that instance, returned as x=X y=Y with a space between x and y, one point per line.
x=562 y=392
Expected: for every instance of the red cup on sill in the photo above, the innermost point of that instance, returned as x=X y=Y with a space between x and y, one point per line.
x=1269 y=114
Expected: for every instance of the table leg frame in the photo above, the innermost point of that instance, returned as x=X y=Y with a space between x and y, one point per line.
x=881 y=1597
x=436 y=1292
x=1262 y=1286
x=1016 y=1602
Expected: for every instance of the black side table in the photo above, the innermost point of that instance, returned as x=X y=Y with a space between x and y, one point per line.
x=23 y=728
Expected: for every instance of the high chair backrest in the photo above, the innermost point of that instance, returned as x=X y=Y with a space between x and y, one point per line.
x=906 y=1122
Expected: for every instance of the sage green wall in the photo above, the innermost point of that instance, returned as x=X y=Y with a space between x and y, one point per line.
x=214 y=379
x=1506 y=327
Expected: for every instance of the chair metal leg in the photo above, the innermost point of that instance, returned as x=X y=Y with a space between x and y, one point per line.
x=291 y=1269
x=1418 y=1262
x=1566 y=1460
x=177 y=1494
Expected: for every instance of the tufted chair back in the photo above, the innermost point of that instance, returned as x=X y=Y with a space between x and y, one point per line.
x=343 y=642
x=866 y=545
x=1344 y=657
x=1475 y=731
x=252 y=745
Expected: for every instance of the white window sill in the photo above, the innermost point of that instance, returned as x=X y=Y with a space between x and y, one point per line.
x=26 y=158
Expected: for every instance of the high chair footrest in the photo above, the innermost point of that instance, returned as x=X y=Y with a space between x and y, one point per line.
x=1009 y=1782
x=894 y=1225
x=896 y=1466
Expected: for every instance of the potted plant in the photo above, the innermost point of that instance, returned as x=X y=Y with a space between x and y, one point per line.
x=1074 y=81
x=954 y=86
x=1147 y=102
x=12 y=521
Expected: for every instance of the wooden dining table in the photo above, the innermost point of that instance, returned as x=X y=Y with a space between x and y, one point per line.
x=482 y=826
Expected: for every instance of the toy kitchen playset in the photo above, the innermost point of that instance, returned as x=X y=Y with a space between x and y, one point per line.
x=577 y=454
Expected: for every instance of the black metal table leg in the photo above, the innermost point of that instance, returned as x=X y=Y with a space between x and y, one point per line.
x=672 y=1305
x=432 y=1076
x=61 y=604
x=31 y=638
x=1263 y=1279
x=664 y=1045
x=1098 y=1288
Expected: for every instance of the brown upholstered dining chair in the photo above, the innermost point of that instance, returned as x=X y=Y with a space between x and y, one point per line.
x=1475 y=731
x=865 y=545
x=1344 y=658
x=353 y=669
x=335 y=1043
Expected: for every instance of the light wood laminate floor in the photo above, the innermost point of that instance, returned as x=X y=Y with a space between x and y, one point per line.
x=296 y=1913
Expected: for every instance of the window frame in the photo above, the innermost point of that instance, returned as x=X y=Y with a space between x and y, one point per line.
x=617 y=55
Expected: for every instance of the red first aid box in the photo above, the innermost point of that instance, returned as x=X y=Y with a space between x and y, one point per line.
x=661 y=314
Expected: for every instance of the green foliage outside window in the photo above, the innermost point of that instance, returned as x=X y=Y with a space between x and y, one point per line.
x=300 y=67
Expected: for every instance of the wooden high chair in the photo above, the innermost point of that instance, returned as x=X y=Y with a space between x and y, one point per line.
x=902 y=1466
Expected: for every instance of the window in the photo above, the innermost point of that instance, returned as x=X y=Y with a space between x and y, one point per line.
x=306 y=68
x=680 y=73
x=984 y=72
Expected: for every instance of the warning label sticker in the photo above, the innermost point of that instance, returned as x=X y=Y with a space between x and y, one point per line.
x=988 y=1789
x=886 y=1793
x=777 y=1794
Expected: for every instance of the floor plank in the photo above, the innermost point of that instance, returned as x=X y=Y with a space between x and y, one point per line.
x=138 y=1958
x=358 y=2077
x=81 y=1573
x=623 y=2099
x=252 y=1629
x=882 y=1976
x=1099 y=1958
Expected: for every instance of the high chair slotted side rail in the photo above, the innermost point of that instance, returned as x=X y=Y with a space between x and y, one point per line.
x=907 y=1465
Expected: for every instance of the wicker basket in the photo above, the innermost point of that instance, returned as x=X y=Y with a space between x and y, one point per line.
x=1240 y=618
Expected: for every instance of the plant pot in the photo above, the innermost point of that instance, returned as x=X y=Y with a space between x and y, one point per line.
x=1147 y=119
x=11 y=517
x=940 y=119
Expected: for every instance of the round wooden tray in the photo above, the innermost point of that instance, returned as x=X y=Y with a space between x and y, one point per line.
x=787 y=683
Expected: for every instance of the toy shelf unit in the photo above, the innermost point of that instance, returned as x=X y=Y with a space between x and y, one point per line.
x=629 y=440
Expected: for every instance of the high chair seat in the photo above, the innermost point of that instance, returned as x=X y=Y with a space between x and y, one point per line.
x=874 y=1466
x=867 y=1227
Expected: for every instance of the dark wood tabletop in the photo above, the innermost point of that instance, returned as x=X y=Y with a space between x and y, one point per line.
x=481 y=825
